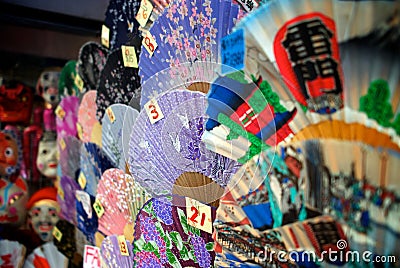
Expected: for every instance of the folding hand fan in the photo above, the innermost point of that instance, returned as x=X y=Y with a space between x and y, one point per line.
x=117 y=125
x=12 y=254
x=120 y=19
x=93 y=163
x=113 y=255
x=186 y=39
x=67 y=116
x=66 y=84
x=118 y=84
x=121 y=197
x=69 y=149
x=46 y=256
x=92 y=58
x=66 y=198
x=86 y=216
x=87 y=116
x=164 y=236
x=169 y=156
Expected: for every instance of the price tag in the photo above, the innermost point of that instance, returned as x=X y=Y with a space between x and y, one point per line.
x=149 y=43
x=153 y=111
x=91 y=257
x=248 y=5
x=110 y=114
x=144 y=12
x=105 y=36
x=57 y=233
x=62 y=144
x=123 y=247
x=129 y=56
x=233 y=51
x=98 y=208
x=60 y=112
x=82 y=180
x=80 y=130
x=78 y=82
x=60 y=192
x=199 y=215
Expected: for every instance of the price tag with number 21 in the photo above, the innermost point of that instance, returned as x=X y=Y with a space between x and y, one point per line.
x=199 y=215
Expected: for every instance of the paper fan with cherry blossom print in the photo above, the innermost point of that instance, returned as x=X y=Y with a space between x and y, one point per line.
x=87 y=120
x=121 y=198
x=117 y=125
x=166 y=235
x=67 y=116
x=118 y=84
x=113 y=255
x=12 y=254
x=183 y=46
x=167 y=155
x=91 y=60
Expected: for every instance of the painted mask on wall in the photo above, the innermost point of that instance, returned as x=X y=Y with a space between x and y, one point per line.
x=43 y=212
x=46 y=161
x=9 y=154
x=13 y=198
x=47 y=87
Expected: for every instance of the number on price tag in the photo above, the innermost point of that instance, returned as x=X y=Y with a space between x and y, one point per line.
x=57 y=233
x=91 y=257
x=78 y=82
x=105 y=36
x=153 y=111
x=110 y=114
x=60 y=112
x=144 y=12
x=199 y=215
x=123 y=247
x=248 y=5
x=98 y=208
x=149 y=43
x=82 y=180
x=129 y=56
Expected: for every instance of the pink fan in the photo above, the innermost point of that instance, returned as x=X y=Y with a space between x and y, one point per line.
x=67 y=116
x=87 y=115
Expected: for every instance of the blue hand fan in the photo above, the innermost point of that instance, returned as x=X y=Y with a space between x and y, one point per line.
x=86 y=217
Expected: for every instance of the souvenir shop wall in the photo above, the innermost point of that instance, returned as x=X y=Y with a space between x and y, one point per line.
x=226 y=133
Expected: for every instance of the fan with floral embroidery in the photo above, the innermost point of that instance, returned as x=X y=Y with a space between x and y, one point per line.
x=87 y=121
x=112 y=255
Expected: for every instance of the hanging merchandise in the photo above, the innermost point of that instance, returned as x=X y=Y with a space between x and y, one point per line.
x=116 y=252
x=16 y=102
x=47 y=87
x=119 y=199
x=117 y=125
x=47 y=155
x=69 y=84
x=121 y=23
x=118 y=84
x=166 y=152
x=181 y=50
x=87 y=120
x=12 y=253
x=46 y=255
x=14 y=196
x=92 y=58
x=166 y=234
x=86 y=217
x=66 y=198
x=67 y=117
x=11 y=153
x=69 y=149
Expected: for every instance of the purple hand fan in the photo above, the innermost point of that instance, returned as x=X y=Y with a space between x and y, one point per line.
x=111 y=252
x=66 y=198
x=187 y=37
x=70 y=149
x=117 y=125
x=68 y=117
x=169 y=156
x=118 y=84
x=120 y=19
x=164 y=237
x=92 y=58
x=93 y=163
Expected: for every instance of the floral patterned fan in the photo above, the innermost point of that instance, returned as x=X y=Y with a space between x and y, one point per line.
x=168 y=155
x=87 y=116
x=117 y=125
x=186 y=46
x=111 y=253
x=92 y=57
x=118 y=84
x=121 y=197
x=165 y=238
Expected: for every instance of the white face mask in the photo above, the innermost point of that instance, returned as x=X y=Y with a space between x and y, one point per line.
x=43 y=217
x=47 y=158
x=49 y=83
